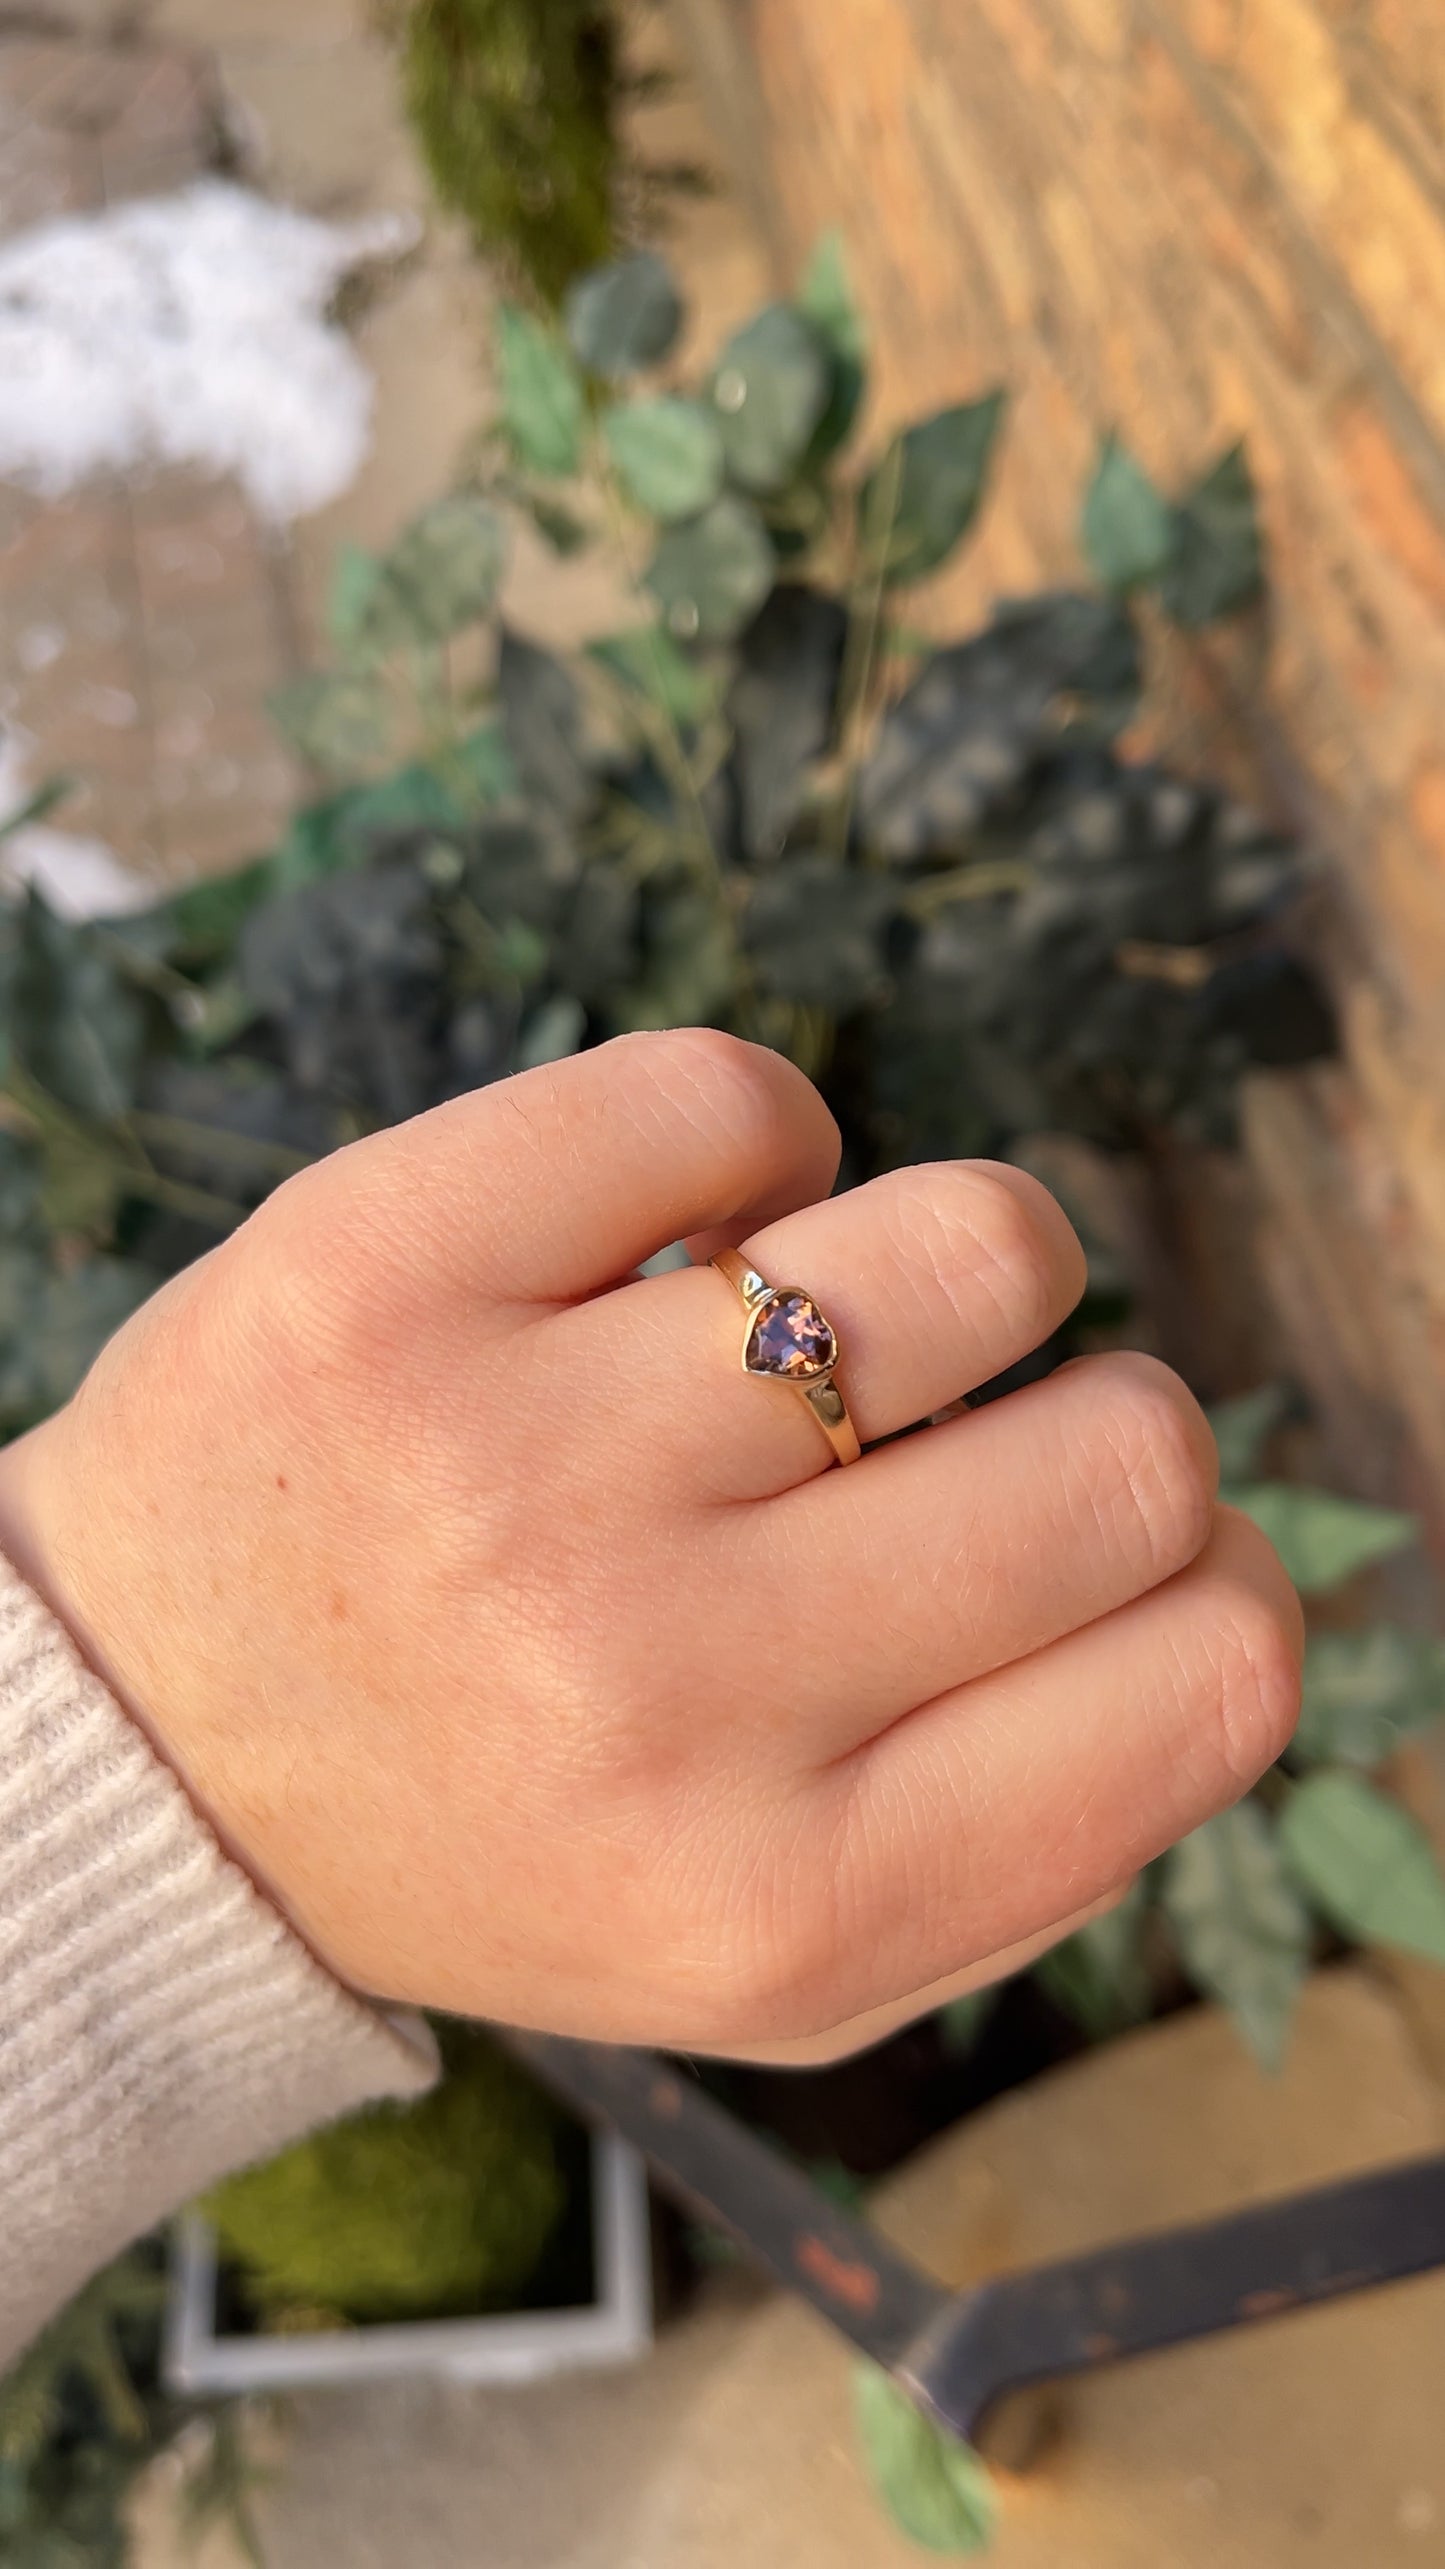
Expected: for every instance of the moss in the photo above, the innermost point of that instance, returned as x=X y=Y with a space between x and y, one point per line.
x=404 y=2212
x=515 y=104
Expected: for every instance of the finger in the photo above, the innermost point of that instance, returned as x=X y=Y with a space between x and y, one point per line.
x=1005 y=1803
x=950 y=1554
x=550 y=1185
x=934 y=1279
x=859 y=2033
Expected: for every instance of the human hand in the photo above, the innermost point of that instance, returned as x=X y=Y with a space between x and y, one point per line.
x=537 y=1660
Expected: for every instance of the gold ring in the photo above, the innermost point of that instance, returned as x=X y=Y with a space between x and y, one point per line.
x=787 y=1340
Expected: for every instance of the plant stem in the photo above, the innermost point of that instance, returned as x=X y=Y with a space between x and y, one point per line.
x=183 y=1132
x=859 y=653
x=661 y=725
x=966 y=883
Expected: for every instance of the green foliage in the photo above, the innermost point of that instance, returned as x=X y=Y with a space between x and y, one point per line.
x=713 y=573
x=625 y=317
x=1216 y=565
x=1243 y=1931
x=1098 y=1975
x=516 y=106
x=1365 y=1864
x=1243 y=1427
x=921 y=501
x=404 y=2211
x=936 y=2489
x=541 y=412
x=668 y=455
x=1202 y=554
x=825 y=297
x=769 y=393
x=1366 y=1691
x=1125 y=526
x=1322 y=1539
x=82 y=2414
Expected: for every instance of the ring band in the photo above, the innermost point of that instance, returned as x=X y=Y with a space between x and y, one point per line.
x=788 y=1340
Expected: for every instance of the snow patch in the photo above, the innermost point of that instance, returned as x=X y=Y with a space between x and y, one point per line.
x=81 y=878
x=187 y=329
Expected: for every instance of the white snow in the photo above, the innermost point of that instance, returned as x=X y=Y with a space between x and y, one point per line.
x=186 y=329
x=81 y=878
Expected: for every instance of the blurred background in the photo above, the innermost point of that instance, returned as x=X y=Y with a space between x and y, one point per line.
x=916 y=532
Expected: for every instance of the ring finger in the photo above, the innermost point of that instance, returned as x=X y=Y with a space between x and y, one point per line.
x=934 y=1279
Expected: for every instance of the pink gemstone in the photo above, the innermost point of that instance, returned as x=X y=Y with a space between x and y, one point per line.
x=790 y=1337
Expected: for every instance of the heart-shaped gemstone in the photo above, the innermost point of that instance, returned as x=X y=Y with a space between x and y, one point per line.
x=789 y=1336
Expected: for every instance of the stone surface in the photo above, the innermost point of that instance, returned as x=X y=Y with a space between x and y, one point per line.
x=422 y=2476
x=1310 y=2443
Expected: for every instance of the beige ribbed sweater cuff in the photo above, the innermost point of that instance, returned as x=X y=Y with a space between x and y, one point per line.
x=159 y=2022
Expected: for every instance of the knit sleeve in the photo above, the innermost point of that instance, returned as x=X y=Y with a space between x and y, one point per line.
x=160 y=2023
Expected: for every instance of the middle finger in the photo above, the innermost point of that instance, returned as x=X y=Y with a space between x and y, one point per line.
x=953 y=1553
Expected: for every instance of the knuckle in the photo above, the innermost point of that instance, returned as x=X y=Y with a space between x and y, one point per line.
x=304 y=1284
x=1259 y=1636
x=1166 y=1468
x=778 y=1986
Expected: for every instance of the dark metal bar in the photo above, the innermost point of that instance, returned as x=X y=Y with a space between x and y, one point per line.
x=717 y=2167
x=1148 y=2293
x=957 y=2353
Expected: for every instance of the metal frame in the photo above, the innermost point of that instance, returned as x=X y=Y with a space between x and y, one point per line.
x=956 y=2353
x=522 y=2346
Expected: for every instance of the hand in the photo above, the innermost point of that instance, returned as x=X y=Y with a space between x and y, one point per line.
x=541 y=1664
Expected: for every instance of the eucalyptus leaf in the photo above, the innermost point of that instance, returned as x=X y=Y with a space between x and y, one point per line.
x=936 y=2489
x=483 y=765
x=1366 y=1864
x=1322 y=1539
x=922 y=498
x=1366 y=1691
x=647 y=662
x=356 y=579
x=713 y=572
x=1243 y=1931
x=1126 y=527
x=339 y=721
x=1243 y=1427
x=769 y=393
x=826 y=298
x=542 y=408
x=542 y=719
x=447 y=566
x=624 y=317
x=668 y=455
x=1216 y=555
